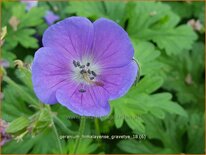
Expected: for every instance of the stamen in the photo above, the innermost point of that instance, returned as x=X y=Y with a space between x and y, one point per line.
x=88 y=64
x=74 y=63
x=82 y=90
x=78 y=63
x=85 y=74
x=89 y=71
x=82 y=66
x=93 y=73
x=83 y=71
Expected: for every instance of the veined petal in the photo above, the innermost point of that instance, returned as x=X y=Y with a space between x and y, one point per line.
x=92 y=102
x=112 y=46
x=74 y=34
x=117 y=81
x=83 y=65
x=50 y=70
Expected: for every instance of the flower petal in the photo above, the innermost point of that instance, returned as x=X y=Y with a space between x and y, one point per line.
x=117 y=81
x=93 y=102
x=112 y=46
x=75 y=34
x=50 y=70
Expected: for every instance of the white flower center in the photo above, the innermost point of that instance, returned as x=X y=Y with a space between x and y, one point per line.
x=85 y=71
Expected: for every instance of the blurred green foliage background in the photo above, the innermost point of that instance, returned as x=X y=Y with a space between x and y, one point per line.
x=168 y=38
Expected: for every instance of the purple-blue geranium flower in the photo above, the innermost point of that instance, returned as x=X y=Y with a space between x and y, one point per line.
x=50 y=17
x=30 y=4
x=83 y=65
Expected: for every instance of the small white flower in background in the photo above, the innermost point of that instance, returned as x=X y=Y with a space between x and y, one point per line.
x=196 y=25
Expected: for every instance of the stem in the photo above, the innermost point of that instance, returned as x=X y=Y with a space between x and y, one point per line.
x=60 y=123
x=55 y=130
x=20 y=90
x=96 y=122
x=58 y=140
x=81 y=129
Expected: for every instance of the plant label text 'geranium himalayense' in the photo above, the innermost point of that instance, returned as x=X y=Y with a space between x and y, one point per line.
x=82 y=65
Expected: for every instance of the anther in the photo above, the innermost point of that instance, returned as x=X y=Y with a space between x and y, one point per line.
x=88 y=64
x=91 y=78
x=82 y=66
x=78 y=63
x=89 y=71
x=83 y=71
x=93 y=73
x=82 y=90
x=74 y=63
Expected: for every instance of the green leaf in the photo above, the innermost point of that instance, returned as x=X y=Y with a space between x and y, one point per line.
x=24 y=74
x=111 y=11
x=33 y=18
x=184 y=10
x=22 y=36
x=196 y=133
x=117 y=119
x=25 y=38
x=199 y=11
x=9 y=56
x=138 y=102
x=147 y=55
x=97 y=10
x=163 y=101
x=136 y=124
x=18 y=10
x=157 y=112
x=170 y=134
x=14 y=104
x=18 y=124
x=149 y=84
x=27 y=20
x=48 y=144
x=184 y=75
x=13 y=146
x=127 y=109
x=86 y=146
x=133 y=146
x=156 y=22
x=174 y=40
x=147 y=15
x=45 y=142
x=22 y=91
x=88 y=9
x=189 y=10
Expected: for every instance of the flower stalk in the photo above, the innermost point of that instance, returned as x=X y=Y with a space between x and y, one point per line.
x=58 y=140
x=81 y=130
x=60 y=123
